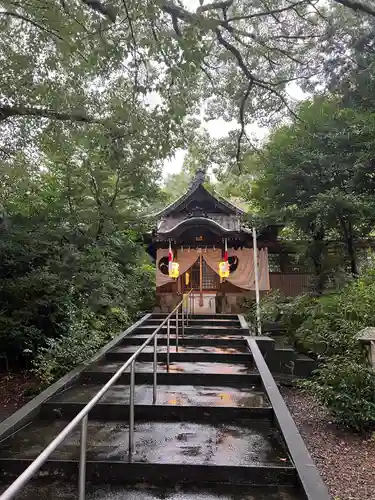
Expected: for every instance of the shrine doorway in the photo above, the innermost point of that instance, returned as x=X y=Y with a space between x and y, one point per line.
x=205 y=283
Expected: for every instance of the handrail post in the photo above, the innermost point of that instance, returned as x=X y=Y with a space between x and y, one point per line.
x=177 y=329
x=155 y=369
x=131 y=410
x=183 y=319
x=168 y=342
x=82 y=460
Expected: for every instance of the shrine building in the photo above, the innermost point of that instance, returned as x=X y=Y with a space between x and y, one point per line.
x=201 y=229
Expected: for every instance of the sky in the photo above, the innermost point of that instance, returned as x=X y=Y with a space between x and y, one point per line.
x=220 y=128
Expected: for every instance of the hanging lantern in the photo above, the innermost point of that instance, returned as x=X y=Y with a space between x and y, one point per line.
x=223 y=269
x=187 y=279
x=174 y=270
x=224 y=265
x=173 y=267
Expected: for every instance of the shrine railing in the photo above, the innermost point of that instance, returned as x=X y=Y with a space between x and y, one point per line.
x=82 y=418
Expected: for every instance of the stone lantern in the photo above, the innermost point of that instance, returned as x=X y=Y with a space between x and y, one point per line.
x=367 y=338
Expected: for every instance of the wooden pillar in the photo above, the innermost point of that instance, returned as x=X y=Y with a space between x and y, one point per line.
x=201 y=280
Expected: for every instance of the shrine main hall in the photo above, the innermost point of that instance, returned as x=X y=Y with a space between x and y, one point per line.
x=199 y=230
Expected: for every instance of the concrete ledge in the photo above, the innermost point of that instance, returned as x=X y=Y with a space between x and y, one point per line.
x=177 y=378
x=166 y=413
x=29 y=411
x=308 y=475
x=123 y=472
x=244 y=324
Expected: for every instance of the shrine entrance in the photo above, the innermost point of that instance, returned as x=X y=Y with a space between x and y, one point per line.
x=205 y=283
x=202 y=277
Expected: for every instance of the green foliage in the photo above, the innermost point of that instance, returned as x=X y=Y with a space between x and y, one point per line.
x=271 y=306
x=347 y=388
x=325 y=327
x=85 y=335
x=329 y=324
x=317 y=175
x=44 y=275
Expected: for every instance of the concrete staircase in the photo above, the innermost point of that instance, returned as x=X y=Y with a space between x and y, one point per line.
x=219 y=428
x=282 y=358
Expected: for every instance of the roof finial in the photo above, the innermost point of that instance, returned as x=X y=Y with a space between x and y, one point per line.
x=200 y=177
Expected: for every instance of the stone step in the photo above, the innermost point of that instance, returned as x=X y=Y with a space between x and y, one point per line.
x=50 y=489
x=186 y=349
x=189 y=340
x=194 y=330
x=273 y=328
x=198 y=322
x=200 y=316
x=185 y=373
x=165 y=453
x=173 y=403
x=304 y=366
x=183 y=395
x=180 y=367
x=207 y=354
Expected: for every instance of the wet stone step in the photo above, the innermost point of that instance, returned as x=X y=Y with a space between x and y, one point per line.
x=256 y=444
x=195 y=403
x=47 y=490
x=195 y=330
x=200 y=316
x=92 y=376
x=188 y=349
x=180 y=367
x=197 y=319
x=183 y=395
x=197 y=322
x=187 y=354
x=198 y=339
x=185 y=373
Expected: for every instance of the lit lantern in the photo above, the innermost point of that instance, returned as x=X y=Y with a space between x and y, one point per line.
x=174 y=270
x=224 y=269
x=224 y=265
x=173 y=267
x=187 y=279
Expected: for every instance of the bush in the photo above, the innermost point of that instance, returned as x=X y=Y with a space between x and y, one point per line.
x=62 y=297
x=347 y=389
x=332 y=322
x=271 y=306
x=85 y=336
x=326 y=328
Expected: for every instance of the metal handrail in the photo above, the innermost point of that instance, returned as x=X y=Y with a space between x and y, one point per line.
x=82 y=416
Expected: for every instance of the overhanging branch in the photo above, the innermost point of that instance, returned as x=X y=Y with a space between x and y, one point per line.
x=100 y=7
x=242 y=120
x=357 y=6
x=7 y=111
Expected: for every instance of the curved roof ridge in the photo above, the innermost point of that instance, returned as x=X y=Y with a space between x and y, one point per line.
x=198 y=182
x=203 y=219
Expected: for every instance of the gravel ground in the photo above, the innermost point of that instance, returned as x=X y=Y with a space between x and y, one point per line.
x=12 y=391
x=345 y=460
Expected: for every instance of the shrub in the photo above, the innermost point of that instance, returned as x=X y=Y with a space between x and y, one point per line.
x=85 y=336
x=271 y=306
x=45 y=274
x=347 y=389
x=326 y=328
x=332 y=322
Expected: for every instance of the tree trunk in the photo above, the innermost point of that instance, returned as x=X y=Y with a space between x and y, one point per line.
x=347 y=229
x=317 y=254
